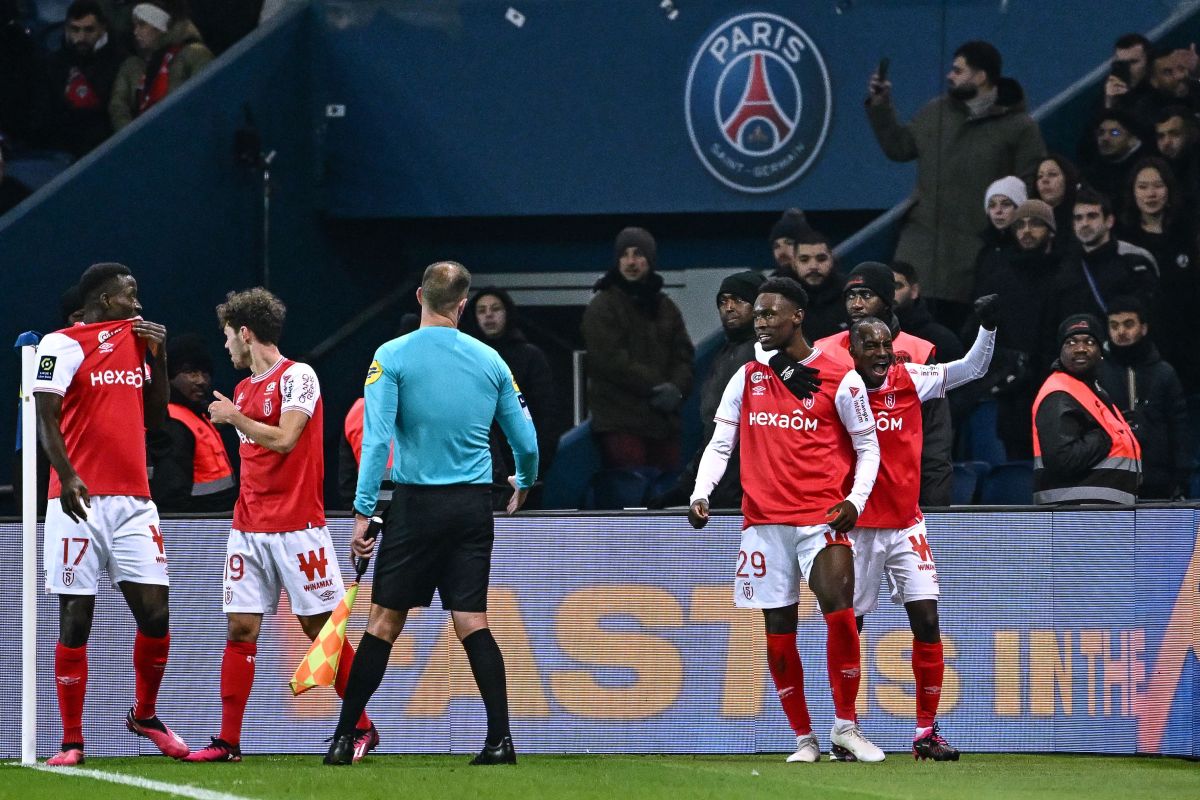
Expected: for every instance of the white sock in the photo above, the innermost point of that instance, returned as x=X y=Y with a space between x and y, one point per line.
x=842 y=724
x=921 y=732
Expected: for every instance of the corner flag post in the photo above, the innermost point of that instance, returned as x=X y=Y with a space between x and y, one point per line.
x=27 y=343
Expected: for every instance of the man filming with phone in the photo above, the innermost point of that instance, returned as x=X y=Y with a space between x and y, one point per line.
x=435 y=392
x=976 y=132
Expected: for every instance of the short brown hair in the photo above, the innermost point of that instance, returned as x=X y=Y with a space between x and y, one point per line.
x=256 y=309
x=444 y=284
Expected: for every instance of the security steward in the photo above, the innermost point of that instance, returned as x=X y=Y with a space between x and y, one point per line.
x=1083 y=450
x=434 y=393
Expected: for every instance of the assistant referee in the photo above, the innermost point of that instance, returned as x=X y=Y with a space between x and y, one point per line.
x=435 y=393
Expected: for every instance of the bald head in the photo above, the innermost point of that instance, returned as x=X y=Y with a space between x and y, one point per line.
x=866 y=326
x=444 y=285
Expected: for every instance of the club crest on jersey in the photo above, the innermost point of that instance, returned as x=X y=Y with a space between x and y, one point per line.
x=889 y=400
x=68 y=576
x=809 y=402
x=374 y=373
x=267 y=406
x=758 y=102
x=747 y=590
x=45 y=370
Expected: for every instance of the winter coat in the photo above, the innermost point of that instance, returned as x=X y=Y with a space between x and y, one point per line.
x=957 y=158
x=193 y=57
x=632 y=348
x=531 y=371
x=826 y=312
x=917 y=320
x=1116 y=269
x=77 y=123
x=1148 y=393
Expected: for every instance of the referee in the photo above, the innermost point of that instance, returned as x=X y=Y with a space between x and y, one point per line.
x=435 y=393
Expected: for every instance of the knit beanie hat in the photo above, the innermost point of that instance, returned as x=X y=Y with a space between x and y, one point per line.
x=876 y=277
x=639 y=238
x=187 y=351
x=152 y=15
x=792 y=225
x=1036 y=209
x=742 y=285
x=1010 y=186
x=1080 y=323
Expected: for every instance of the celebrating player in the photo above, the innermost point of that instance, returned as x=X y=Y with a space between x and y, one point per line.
x=279 y=535
x=808 y=463
x=91 y=381
x=890 y=535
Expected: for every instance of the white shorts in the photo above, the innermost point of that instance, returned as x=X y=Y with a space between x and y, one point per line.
x=121 y=535
x=774 y=558
x=903 y=555
x=304 y=562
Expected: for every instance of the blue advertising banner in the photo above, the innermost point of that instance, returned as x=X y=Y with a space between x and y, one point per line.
x=1073 y=631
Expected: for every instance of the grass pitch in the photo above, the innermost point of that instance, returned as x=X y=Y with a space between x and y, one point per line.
x=596 y=776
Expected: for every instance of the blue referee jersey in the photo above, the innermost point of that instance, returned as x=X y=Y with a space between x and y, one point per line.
x=435 y=392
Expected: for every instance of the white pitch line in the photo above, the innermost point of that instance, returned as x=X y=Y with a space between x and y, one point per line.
x=177 y=789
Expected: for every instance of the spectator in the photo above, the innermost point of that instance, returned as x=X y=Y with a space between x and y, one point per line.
x=492 y=318
x=1000 y=202
x=977 y=132
x=1127 y=82
x=871 y=292
x=1023 y=281
x=170 y=52
x=1170 y=86
x=639 y=360
x=1148 y=393
x=1100 y=269
x=190 y=467
x=350 y=443
x=914 y=316
x=1055 y=184
x=1176 y=137
x=1083 y=450
x=816 y=270
x=786 y=231
x=12 y=191
x=18 y=75
x=73 y=106
x=735 y=306
x=1118 y=147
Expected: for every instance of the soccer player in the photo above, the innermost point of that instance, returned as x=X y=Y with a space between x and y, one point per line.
x=808 y=465
x=92 y=380
x=439 y=527
x=279 y=538
x=890 y=535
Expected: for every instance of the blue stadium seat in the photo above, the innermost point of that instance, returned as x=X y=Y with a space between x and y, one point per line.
x=983 y=443
x=967 y=476
x=614 y=489
x=1008 y=484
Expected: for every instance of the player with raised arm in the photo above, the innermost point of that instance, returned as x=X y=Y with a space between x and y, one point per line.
x=279 y=539
x=809 y=461
x=890 y=536
x=92 y=381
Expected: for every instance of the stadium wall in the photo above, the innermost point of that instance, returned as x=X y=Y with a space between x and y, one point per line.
x=1065 y=631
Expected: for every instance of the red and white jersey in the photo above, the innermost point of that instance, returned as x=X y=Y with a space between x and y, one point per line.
x=281 y=492
x=896 y=405
x=99 y=369
x=908 y=349
x=797 y=459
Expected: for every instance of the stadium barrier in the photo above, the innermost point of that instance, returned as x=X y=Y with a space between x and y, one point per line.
x=1065 y=631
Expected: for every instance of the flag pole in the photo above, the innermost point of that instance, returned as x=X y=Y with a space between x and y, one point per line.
x=27 y=342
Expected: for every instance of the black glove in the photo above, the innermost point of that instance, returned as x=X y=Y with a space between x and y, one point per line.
x=665 y=397
x=987 y=309
x=800 y=380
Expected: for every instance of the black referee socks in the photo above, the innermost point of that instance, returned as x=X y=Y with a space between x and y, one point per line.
x=366 y=673
x=487 y=665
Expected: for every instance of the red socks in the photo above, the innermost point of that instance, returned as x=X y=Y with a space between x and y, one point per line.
x=237 y=676
x=149 y=663
x=928 y=666
x=841 y=652
x=70 y=679
x=788 y=674
x=343 y=675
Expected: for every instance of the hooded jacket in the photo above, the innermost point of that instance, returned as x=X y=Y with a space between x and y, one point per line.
x=957 y=156
x=636 y=340
x=191 y=57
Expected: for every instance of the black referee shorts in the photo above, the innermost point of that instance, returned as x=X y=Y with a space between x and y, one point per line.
x=435 y=537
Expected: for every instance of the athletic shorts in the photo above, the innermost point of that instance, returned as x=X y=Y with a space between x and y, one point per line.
x=903 y=555
x=121 y=535
x=435 y=538
x=304 y=562
x=774 y=558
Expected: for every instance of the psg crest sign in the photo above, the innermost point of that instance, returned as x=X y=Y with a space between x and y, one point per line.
x=758 y=102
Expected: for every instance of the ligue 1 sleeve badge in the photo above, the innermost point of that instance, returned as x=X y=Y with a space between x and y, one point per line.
x=758 y=102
